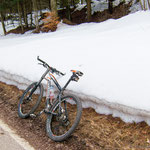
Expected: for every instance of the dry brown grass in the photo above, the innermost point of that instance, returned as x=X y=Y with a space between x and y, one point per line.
x=50 y=22
x=95 y=131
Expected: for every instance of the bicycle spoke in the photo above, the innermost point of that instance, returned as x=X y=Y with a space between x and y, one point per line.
x=29 y=101
x=63 y=122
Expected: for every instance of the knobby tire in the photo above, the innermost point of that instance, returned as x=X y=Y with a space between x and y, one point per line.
x=53 y=118
x=24 y=102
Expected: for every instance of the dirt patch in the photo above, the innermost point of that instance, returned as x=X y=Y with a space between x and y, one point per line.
x=119 y=11
x=95 y=131
x=18 y=30
x=78 y=17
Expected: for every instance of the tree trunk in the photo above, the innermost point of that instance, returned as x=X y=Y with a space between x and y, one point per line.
x=36 y=14
x=31 y=19
x=148 y=4
x=54 y=6
x=88 y=10
x=3 y=24
x=144 y=5
x=73 y=3
x=110 y=6
x=68 y=13
x=40 y=5
x=141 y=5
x=49 y=4
x=20 y=18
x=25 y=14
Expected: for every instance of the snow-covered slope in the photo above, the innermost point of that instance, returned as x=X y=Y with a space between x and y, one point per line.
x=114 y=56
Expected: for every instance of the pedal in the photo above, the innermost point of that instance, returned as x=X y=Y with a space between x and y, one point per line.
x=33 y=115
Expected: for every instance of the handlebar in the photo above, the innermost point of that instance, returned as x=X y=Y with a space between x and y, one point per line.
x=53 y=70
x=43 y=62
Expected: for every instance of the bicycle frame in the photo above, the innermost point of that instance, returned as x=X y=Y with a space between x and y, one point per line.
x=54 y=80
x=56 y=83
x=74 y=77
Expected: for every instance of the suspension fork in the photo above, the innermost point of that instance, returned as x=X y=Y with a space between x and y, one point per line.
x=61 y=93
x=60 y=112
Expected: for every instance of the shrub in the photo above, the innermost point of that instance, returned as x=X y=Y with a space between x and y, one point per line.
x=50 y=22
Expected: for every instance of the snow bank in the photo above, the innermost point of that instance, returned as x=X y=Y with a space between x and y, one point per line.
x=114 y=56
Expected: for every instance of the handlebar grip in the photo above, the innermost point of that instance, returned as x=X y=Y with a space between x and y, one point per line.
x=40 y=59
x=44 y=63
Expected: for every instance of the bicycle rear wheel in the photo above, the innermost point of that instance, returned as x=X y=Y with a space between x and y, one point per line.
x=61 y=126
x=30 y=101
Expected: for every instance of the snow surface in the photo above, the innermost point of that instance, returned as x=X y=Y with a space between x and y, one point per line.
x=113 y=55
x=101 y=5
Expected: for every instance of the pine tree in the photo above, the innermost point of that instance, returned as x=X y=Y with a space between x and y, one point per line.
x=54 y=6
x=2 y=8
x=68 y=13
x=20 y=17
x=25 y=13
x=110 y=6
x=88 y=10
x=36 y=15
x=3 y=24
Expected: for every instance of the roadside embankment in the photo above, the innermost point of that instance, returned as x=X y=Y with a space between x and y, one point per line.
x=95 y=131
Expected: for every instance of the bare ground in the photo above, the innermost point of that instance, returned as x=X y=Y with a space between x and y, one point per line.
x=78 y=17
x=95 y=131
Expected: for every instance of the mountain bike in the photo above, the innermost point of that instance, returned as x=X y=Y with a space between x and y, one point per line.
x=63 y=112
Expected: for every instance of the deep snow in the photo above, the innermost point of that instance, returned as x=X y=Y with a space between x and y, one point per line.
x=113 y=55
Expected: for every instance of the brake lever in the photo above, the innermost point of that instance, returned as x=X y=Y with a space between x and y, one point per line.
x=40 y=64
x=43 y=64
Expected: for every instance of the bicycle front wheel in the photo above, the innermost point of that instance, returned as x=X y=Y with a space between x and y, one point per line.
x=30 y=100
x=61 y=126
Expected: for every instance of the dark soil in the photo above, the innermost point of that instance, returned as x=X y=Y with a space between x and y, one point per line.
x=18 y=30
x=118 y=12
x=95 y=131
x=78 y=17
